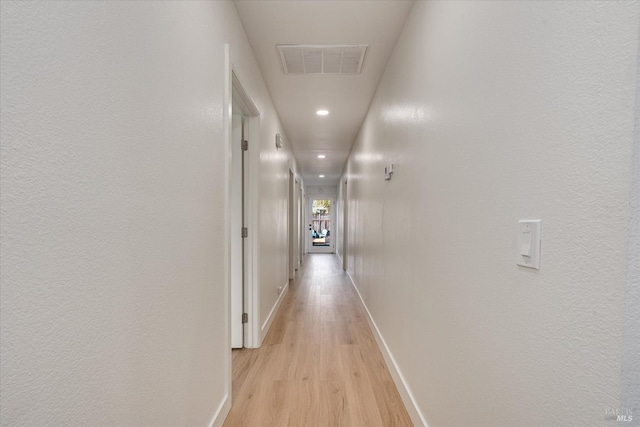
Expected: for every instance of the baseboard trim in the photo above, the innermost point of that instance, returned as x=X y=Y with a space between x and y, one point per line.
x=267 y=323
x=403 y=388
x=221 y=413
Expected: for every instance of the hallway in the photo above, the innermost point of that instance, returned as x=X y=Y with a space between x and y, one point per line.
x=166 y=166
x=319 y=364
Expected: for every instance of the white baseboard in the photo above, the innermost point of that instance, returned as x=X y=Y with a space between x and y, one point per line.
x=403 y=388
x=267 y=323
x=221 y=412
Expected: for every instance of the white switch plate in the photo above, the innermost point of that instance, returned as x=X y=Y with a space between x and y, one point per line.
x=528 y=239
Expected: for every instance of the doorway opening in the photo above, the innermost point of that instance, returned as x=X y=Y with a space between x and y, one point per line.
x=291 y=226
x=300 y=225
x=243 y=219
x=345 y=225
x=321 y=233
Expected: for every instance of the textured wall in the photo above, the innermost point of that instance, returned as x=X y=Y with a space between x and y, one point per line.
x=113 y=293
x=494 y=112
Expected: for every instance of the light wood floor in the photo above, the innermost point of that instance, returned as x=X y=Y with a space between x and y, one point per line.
x=319 y=365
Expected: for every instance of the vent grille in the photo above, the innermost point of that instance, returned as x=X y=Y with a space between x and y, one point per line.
x=322 y=59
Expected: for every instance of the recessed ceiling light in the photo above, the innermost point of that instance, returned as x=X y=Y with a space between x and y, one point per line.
x=321 y=176
x=322 y=112
x=322 y=156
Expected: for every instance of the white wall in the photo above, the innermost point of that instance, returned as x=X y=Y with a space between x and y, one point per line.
x=114 y=299
x=493 y=112
x=272 y=209
x=322 y=190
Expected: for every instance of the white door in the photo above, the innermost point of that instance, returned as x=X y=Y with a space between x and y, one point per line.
x=321 y=230
x=291 y=216
x=301 y=227
x=345 y=226
x=237 y=256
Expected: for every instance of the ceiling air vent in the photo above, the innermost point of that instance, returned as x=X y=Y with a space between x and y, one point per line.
x=322 y=59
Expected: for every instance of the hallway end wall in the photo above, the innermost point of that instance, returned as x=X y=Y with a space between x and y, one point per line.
x=493 y=112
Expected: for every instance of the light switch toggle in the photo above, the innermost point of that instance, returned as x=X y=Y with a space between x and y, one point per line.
x=525 y=247
x=529 y=243
x=388 y=171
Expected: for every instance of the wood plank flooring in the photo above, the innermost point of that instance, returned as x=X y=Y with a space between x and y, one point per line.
x=319 y=365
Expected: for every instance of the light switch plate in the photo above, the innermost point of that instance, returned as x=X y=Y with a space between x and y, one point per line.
x=528 y=240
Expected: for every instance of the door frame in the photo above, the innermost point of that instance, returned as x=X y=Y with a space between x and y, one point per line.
x=251 y=128
x=345 y=225
x=315 y=249
x=291 y=228
x=301 y=226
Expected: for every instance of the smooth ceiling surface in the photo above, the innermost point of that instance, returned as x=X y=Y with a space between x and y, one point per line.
x=297 y=97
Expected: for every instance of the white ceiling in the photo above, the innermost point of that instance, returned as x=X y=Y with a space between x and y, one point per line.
x=297 y=97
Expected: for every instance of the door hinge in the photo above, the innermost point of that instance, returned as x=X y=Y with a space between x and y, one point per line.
x=245 y=318
x=245 y=232
x=245 y=145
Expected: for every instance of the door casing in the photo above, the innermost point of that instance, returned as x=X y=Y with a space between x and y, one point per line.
x=321 y=249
